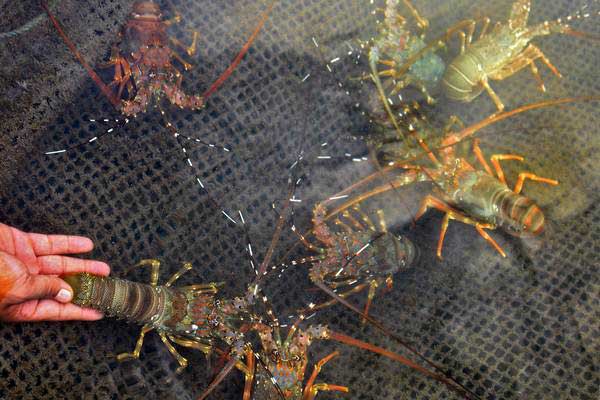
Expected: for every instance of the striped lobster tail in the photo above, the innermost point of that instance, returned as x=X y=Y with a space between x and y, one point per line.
x=135 y=302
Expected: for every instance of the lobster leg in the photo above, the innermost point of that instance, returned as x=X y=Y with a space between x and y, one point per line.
x=189 y=50
x=186 y=65
x=355 y=289
x=192 y=344
x=154 y=268
x=533 y=177
x=484 y=82
x=479 y=155
x=496 y=158
x=372 y=290
x=381 y=220
x=419 y=84
x=484 y=28
x=454 y=122
x=344 y=226
x=122 y=72
x=466 y=38
x=310 y=390
x=138 y=345
x=183 y=362
x=249 y=379
x=365 y=218
x=432 y=202
x=175 y=19
x=346 y=214
x=421 y=22
x=308 y=244
x=527 y=57
x=186 y=267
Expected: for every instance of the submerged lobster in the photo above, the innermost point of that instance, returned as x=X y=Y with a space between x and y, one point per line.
x=192 y=316
x=357 y=255
x=463 y=192
x=397 y=44
x=286 y=360
x=502 y=52
x=142 y=61
x=495 y=55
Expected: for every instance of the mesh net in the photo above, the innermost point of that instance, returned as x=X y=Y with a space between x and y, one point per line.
x=520 y=327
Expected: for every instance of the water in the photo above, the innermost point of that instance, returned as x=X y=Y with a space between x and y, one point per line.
x=515 y=327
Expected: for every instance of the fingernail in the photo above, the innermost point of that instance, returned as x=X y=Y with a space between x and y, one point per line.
x=64 y=296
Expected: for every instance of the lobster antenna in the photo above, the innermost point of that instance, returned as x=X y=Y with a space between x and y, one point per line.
x=32 y=23
x=120 y=123
x=381 y=327
x=452 y=140
x=177 y=137
x=276 y=235
x=99 y=82
x=255 y=290
x=463 y=133
x=236 y=61
x=219 y=378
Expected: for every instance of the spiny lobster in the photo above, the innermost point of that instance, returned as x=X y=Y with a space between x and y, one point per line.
x=142 y=61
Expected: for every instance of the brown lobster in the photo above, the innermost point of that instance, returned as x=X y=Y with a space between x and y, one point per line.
x=464 y=193
x=143 y=61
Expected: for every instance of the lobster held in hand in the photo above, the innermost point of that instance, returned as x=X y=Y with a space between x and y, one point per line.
x=190 y=316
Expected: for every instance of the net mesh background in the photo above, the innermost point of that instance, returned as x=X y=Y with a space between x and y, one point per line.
x=523 y=327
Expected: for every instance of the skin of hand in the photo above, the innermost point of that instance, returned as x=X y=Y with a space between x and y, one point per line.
x=30 y=265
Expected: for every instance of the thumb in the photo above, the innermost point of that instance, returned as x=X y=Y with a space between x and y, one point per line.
x=47 y=287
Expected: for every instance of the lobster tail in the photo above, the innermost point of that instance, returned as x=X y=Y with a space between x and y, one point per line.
x=135 y=302
x=520 y=214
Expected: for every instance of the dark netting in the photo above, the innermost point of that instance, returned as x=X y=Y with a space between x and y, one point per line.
x=524 y=327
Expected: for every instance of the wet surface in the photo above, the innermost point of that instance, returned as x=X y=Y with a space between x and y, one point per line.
x=523 y=327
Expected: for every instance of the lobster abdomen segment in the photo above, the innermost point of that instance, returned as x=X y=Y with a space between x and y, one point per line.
x=135 y=302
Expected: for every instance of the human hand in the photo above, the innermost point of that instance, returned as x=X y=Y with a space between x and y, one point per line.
x=30 y=263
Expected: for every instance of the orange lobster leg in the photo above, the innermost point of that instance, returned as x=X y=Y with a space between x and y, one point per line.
x=249 y=374
x=479 y=155
x=496 y=158
x=372 y=290
x=533 y=177
x=432 y=202
x=189 y=50
x=310 y=390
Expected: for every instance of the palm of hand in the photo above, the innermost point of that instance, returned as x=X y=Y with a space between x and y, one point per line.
x=30 y=263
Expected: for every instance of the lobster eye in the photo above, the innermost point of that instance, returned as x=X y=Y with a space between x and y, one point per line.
x=274 y=355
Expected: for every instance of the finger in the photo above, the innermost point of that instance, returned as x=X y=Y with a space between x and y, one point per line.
x=49 y=310
x=59 y=244
x=44 y=287
x=61 y=265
